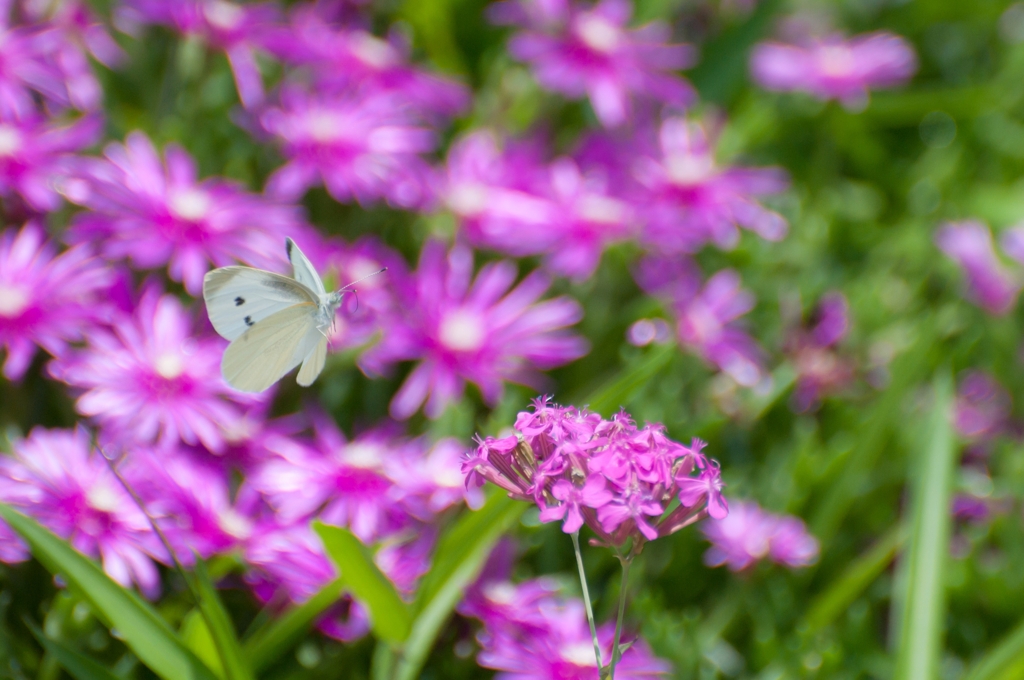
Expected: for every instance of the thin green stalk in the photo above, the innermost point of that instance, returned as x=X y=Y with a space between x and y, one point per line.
x=626 y=562
x=586 y=596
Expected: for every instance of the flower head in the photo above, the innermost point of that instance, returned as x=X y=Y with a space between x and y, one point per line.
x=820 y=369
x=990 y=284
x=158 y=214
x=749 y=534
x=531 y=631
x=479 y=331
x=360 y=145
x=834 y=68
x=982 y=406
x=691 y=200
x=589 y=52
x=46 y=300
x=148 y=380
x=31 y=59
x=34 y=152
x=705 y=327
x=56 y=477
x=614 y=477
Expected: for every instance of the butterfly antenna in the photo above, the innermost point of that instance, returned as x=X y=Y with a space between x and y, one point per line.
x=348 y=286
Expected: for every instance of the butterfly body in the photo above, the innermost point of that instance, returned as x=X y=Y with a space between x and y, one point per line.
x=274 y=322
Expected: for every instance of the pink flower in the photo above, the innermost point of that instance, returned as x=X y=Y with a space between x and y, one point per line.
x=608 y=474
x=238 y=29
x=990 y=284
x=148 y=380
x=46 y=300
x=30 y=59
x=820 y=369
x=360 y=145
x=158 y=214
x=588 y=52
x=35 y=152
x=691 y=201
x=56 y=477
x=339 y=58
x=982 y=406
x=478 y=331
x=189 y=499
x=705 y=327
x=532 y=632
x=749 y=534
x=834 y=68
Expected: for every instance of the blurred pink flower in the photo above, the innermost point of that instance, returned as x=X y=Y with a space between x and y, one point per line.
x=359 y=145
x=531 y=632
x=236 y=28
x=31 y=60
x=462 y=329
x=46 y=299
x=835 y=68
x=158 y=213
x=705 y=327
x=749 y=534
x=820 y=369
x=990 y=284
x=58 y=479
x=690 y=201
x=147 y=379
x=982 y=407
x=340 y=58
x=587 y=51
x=35 y=153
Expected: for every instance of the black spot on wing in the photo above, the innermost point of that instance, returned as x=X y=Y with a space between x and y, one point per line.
x=249 y=321
x=239 y=301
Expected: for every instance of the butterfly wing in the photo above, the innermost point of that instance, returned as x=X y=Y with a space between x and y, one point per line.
x=302 y=268
x=237 y=298
x=313 y=364
x=272 y=347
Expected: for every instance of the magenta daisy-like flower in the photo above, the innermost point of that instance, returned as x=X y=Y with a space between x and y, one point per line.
x=34 y=152
x=237 y=29
x=462 y=329
x=28 y=65
x=46 y=300
x=692 y=201
x=530 y=630
x=583 y=51
x=359 y=145
x=159 y=214
x=749 y=534
x=56 y=477
x=339 y=58
x=147 y=379
x=982 y=408
x=618 y=479
x=820 y=369
x=835 y=68
x=990 y=284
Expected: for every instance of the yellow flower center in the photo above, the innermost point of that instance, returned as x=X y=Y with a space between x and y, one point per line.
x=462 y=331
x=13 y=301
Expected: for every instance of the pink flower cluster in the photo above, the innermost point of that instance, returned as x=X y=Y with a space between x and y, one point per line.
x=820 y=369
x=990 y=284
x=620 y=480
x=750 y=534
x=532 y=630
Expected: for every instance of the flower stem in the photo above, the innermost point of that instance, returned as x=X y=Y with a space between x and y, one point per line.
x=586 y=596
x=626 y=562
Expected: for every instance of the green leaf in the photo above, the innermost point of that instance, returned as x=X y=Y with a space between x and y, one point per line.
x=923 y=597
x=389 y=615
x=614 y=394
x=267 y=644
x=78 y=666
x=221 y=629
x=1004 y=661
x=854 y=580
x=196 y=635
x=136 y=622
x=460 y=555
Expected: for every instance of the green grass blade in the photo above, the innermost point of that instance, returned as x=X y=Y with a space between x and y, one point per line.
x=389 y=615
x=221 y=629
x=614 y=394
x=923 y=613
x=196 y=635
x=78 y=666
x=148 y=635
x=854 y=580
x=269 y=643
x=1004 y=661
x=460 y=555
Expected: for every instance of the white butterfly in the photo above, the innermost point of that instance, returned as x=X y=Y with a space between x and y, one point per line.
x=274 y=323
